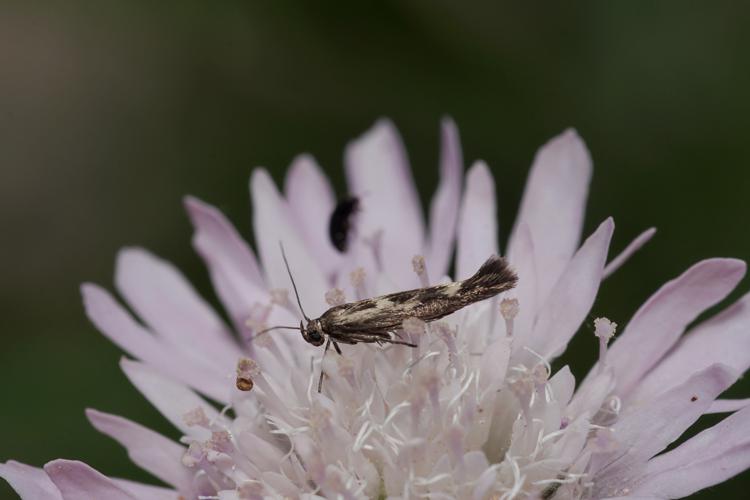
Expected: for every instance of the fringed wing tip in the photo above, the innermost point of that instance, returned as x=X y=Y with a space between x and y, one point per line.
x=497 y=270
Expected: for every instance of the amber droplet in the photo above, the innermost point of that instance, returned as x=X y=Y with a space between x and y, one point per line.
x=244 y=383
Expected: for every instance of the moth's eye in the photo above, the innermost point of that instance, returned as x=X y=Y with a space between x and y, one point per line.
x=315 y=337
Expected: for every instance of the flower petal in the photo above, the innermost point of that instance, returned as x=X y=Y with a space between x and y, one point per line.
x=568 y=449
x=629 y=497
x=728 y=405
x=115 y=323
x=274 y=225
x=685 y=481
x=590 y=396
x=712 y=442
x=572 y=297
x=563 y=384
x=147 y=491
x=710 y=457
x=29 y=482
x=173 y=400
x=78 y=481
x=477 y=227
x=647 y=430
x=166 y=301
x=217 y=237
x=148 y=449
x=553 y=206
x=231 y=263
x=378 y=172
x=526 y=288
x=661 y=320
x=632 y=247
x=237 y=280
x=725 y=339
x=445 y=201
x=494 y=364
x=311 y=201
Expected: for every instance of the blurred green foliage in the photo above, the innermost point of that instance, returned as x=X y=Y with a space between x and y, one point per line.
x=111 y=111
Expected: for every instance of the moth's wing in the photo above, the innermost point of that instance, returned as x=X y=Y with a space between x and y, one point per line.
x=387 y=312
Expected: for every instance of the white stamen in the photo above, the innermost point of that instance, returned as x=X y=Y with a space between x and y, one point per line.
x=461 y=391
x=509 y=309
x=418 y=264
x=196 y=417
x=605 y=330
x=540 y=375
x=247 y=367
x=220 y=441
x=522 y=385
x=335 y=297
x=357 y=278
x=615 y=403
x=364 y=432
x=428 y=355
x=375 y=242
x=256 y=321
x=541 y=358
x=279 y=296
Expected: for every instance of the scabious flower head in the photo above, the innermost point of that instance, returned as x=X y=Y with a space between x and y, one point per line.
x=474 y=410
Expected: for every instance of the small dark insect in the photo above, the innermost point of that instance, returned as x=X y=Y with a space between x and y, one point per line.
x=340 y=223
x=375 y=320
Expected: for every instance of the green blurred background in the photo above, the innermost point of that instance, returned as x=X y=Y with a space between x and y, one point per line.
x=111 y=111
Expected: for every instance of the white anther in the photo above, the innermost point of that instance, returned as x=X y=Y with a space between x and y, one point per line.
x=420 y=268
x=335 y=297
x=279 y=296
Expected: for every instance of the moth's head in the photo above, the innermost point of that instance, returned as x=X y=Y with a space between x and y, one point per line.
x=313 y=332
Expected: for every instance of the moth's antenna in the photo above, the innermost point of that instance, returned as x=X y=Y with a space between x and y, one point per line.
x=263 y=332
x=294 y=285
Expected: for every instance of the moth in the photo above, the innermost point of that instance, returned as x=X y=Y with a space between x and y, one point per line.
x=377 y=320
x=340 y=222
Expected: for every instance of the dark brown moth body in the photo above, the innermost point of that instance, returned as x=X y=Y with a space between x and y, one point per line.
x=376 y=320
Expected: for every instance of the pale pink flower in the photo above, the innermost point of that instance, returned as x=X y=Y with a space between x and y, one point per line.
x=474 y=411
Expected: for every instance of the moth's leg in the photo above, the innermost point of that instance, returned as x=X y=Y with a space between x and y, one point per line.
x=395 y=333
x=336 y=346
x=380 y=340
x=343 y=339
x=367 y=338
x=320 y=380
x=399 y=342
